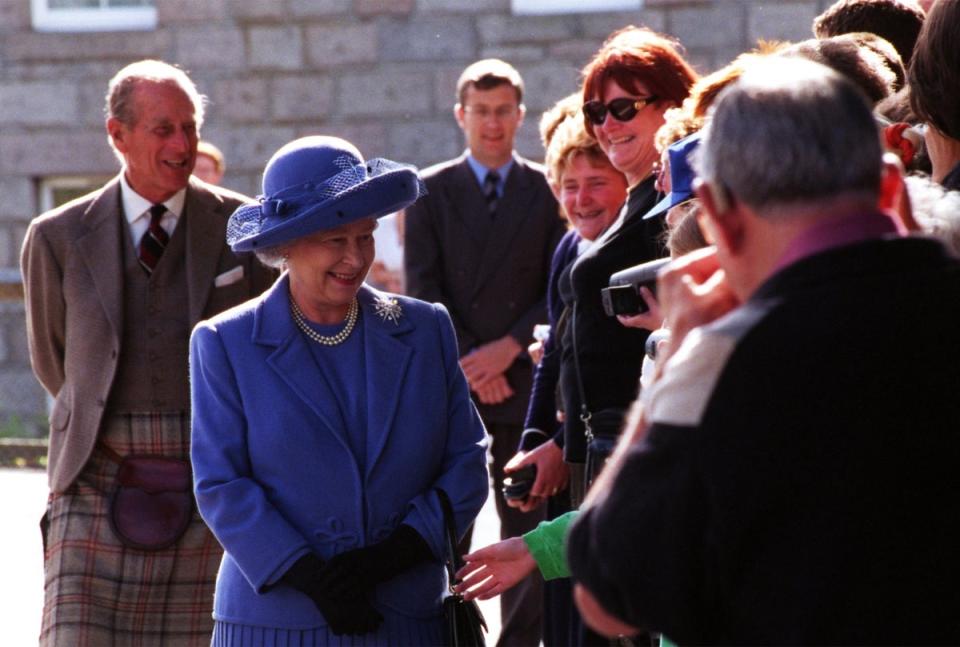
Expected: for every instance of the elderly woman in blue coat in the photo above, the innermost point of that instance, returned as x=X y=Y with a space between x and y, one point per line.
x=326 y=417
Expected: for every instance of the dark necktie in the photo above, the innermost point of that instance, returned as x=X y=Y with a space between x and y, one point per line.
x=490 y=191
x=154 y=241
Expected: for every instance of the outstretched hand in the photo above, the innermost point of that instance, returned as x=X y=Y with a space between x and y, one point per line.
x=490 y=571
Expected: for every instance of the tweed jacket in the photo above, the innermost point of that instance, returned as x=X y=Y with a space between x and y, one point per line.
x=72 y=265
x=491 y=274
x=274 y=473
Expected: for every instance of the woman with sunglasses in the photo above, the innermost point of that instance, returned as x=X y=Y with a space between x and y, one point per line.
x=635 y=76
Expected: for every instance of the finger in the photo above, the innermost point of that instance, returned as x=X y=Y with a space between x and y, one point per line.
x=496 y=393
x=473 y=373
x=531 y=503
x=480 y=554
x=491 y=591
x=468 y=569
x=515 y=462
x=484 y=380
x=474 y=580
x=484 y=591
x=540 y=487
x=702 y=262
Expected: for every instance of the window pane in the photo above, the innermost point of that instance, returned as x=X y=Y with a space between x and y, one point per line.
x=129 y=3
x=572 y=6
x=74 y=4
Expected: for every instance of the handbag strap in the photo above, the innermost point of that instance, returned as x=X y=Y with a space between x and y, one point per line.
x=584 y=409
x=452 y=561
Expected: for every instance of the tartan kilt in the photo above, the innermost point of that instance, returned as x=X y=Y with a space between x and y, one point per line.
x=97 y=591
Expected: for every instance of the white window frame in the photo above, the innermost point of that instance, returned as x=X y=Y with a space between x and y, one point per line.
x=102 y=18
x=541 y=7
x=49 y=184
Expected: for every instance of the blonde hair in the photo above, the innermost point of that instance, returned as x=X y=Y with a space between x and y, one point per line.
x=570 y=139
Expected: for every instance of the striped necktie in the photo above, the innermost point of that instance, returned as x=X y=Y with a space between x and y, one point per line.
x=490 y=184
x=154 y=240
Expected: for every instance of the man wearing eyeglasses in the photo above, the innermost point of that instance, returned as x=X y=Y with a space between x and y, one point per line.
x=480 y=243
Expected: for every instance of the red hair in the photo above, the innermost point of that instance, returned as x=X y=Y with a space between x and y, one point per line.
x=635 y=55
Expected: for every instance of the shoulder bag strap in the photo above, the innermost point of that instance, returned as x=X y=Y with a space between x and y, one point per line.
x=452 y=560
x=584 y=410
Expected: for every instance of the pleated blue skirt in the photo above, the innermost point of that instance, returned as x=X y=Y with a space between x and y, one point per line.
x=396 y=630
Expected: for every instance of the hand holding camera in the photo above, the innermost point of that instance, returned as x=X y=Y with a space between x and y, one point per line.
x=517 y=485
x=628 y=288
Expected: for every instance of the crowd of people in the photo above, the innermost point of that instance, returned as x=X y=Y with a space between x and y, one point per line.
x=260 y=436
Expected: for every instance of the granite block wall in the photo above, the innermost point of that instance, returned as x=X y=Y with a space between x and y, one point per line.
x=378 y=72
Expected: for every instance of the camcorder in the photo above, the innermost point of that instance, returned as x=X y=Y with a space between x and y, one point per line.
x=623 y=297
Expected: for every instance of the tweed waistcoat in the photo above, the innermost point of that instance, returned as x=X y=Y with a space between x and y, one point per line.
x=152 y=369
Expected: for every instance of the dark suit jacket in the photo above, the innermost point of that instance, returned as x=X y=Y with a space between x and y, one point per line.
x=72 y=264
x=491 y=274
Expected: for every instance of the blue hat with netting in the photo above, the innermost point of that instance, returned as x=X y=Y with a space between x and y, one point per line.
x=316 y=183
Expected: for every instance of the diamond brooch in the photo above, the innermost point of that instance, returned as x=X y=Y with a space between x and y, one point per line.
x=388 y=309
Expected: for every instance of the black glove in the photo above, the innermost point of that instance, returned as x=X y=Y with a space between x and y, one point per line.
x=356 y=572
x=352 y=614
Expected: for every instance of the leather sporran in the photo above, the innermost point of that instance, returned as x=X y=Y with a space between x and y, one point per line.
x=602 y=430
x=463 y=622
x=152 y=502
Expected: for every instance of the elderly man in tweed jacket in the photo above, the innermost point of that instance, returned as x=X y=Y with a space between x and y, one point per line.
x=114 y=282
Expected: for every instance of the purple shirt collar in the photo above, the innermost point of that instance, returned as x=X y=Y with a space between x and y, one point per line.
x=837 y=232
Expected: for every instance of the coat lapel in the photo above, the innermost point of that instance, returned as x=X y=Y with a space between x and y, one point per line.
x=292 y=360
x=468 y=204
x=513 y=210
x=387 y=359
x=102 y=250
x=206 y=232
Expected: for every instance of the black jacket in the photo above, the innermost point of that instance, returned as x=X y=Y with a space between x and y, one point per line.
x=799 y=481
x=610 y=354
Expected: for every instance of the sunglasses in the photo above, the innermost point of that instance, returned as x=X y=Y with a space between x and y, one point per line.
x=622 y=109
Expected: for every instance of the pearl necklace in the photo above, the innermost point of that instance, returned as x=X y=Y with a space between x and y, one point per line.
x=325 y=340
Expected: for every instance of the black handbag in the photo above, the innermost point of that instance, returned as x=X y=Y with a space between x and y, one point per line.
x=463 y=621
x=600 y=428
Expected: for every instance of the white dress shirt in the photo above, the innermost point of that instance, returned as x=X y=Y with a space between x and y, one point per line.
x=136 y=209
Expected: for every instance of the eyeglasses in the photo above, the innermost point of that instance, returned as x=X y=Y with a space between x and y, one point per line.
x=482 y=112
x=622 y=109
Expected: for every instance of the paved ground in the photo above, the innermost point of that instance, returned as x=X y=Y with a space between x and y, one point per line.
x=23 y=494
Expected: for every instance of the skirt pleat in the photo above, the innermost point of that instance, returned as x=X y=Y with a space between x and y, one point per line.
x=396 y=631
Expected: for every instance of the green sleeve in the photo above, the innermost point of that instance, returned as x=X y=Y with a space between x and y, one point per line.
x=546 y=544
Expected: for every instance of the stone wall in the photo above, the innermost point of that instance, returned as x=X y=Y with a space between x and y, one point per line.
x=379 y=72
